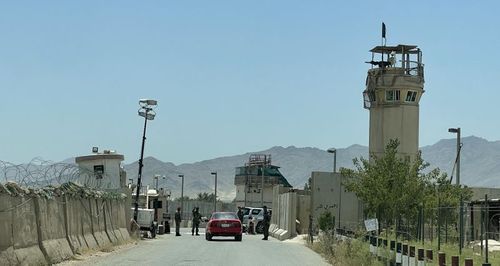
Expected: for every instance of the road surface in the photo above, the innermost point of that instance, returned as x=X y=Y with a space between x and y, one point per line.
x=195 y=250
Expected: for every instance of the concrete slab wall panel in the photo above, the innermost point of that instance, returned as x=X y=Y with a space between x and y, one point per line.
x=25 y=232
x=74 y=224
x=108 y=223
x=98 y=227
x=86 y=218
x=121 y=218
x=53 y=231
x=7 y=255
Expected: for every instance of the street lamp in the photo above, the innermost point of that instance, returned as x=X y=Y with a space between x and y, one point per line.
x=334 y=151
x=457 y=164
x=146 y=111
x=158 y=177
x=182 y=192
x=457 y=160
x=215 y=198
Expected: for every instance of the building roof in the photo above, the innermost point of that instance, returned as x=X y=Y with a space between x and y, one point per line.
x=399 y=49
x=99 y=156
x=269 y=170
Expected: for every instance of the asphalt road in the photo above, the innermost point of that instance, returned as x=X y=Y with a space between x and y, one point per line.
x=195 y=250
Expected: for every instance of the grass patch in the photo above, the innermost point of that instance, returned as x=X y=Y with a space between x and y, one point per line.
x=344 y=252
x=356 y=251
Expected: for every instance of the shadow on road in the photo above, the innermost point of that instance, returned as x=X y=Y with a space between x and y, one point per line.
x=224 y=240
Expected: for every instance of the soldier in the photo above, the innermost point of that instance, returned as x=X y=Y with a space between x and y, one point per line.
x=196 y=221
x=178 y=219
x=266 y=221
x=240 y=214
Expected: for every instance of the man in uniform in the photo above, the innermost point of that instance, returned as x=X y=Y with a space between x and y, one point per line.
x=266 y=221
x=196 y=221
x=178 y=219
x=240 y=214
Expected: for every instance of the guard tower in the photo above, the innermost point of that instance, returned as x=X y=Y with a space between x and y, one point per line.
x=394 y=86
x=255 y=181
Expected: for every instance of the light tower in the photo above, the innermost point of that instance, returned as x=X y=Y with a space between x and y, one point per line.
x=394 y=86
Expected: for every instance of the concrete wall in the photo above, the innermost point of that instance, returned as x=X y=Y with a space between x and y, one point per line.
x=303 y=212
x=253 y=198
x=284 y=214
x=39 y=230
x=327 y=194
x=26 y=231
x=53 y=229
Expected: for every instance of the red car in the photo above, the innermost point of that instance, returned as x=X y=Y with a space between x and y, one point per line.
x=224 y=224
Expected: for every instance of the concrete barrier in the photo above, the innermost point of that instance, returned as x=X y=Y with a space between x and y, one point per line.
x=108 y=224
x=52 y=229
x=74 y=224
x=86 y=218
x=25 y=233
x=40 y=227
x=284 y=214
x=121 y=218
x=7 y=255
x=118 y=216
x=98 y=226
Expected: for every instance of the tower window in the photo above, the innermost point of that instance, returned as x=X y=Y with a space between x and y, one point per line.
x=371 y=96
x=392 y=95
x=98 y=171
x=411 y=96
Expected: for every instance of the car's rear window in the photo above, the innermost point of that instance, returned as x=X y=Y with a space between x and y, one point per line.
x=256 y=211
x=246 y=211
x=224 y=215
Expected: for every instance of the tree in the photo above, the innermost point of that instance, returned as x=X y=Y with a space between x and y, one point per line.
x=393 y=188
x=204 y=196
x=326 y=221
x=308 y=185
x=186 y=198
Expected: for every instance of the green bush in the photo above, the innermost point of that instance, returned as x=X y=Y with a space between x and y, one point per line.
x=326 y=221
x=349 y=252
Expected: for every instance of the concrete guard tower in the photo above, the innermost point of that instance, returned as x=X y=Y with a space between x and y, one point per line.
x=394 y=86
x=102 y=170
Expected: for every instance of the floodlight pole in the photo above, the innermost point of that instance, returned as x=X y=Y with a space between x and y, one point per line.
x=139 y=176
x=148 y=114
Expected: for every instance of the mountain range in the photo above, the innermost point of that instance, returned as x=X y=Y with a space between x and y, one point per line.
x=480 y=166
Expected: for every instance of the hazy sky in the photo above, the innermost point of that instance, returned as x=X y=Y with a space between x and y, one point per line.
x=231 y=76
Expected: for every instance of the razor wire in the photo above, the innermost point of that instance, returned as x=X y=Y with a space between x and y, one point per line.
x=40 y=173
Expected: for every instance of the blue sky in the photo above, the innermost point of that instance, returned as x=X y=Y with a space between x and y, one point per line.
x=230 y=76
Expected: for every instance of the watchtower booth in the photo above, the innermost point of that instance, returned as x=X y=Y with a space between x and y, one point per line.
x=394 y=86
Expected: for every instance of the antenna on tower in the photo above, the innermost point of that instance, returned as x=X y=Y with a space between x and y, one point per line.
x=384 y=40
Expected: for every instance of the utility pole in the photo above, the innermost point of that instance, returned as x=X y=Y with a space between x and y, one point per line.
x=215 y=198
x=262 y=187
x=182 y=193
x=461 y=211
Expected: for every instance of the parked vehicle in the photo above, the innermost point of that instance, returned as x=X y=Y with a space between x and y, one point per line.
x=224 y=224
x=145 y=220
x=257 y=215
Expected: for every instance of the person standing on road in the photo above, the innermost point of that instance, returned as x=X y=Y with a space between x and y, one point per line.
x=196 y=221
x=178 y=220
x=240 y=214
x=266 y=221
